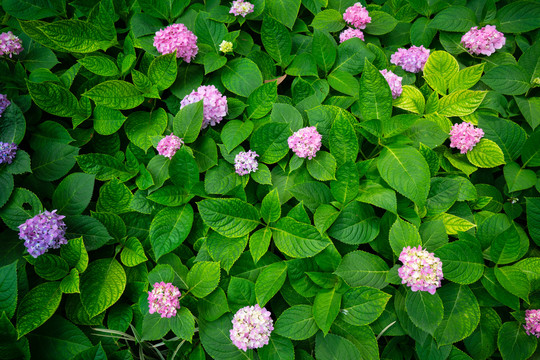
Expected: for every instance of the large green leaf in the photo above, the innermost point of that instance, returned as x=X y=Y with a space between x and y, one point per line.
x=8 y=289
x=363 y=305
x=356 y=224
x=425 y=310
x=334 y=347
x=375 y=95
x=454 y=18
x=284 y=11
x=73 y=194
x=277 y=41
x=142 y=126
x=241 y=76
x=462 y=261
x=324 y=50
x=514 y=343
x=188 y=121
x=229 y=217
x=270 y=142
x=322 y=167
x=269 y=281
x=359 y=268
x=486 y=154
x=297 y=239
x=216 y=340
x=203 y=278
x=518 y=17
x=461 y=102
x=533 y=218
x=53 y=98
x=115 y=94
x=169 y=228
x=439 y=70
x=296 y=323
x=507 y=79
x=37 y=306
x=483 y=341
x=224 y=249
x=518 y=178
x=351 y=56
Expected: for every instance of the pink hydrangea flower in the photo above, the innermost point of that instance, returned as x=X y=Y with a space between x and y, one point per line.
x=245 y=162
x=251 y=327
x=163 y=299
x=4 y=103
x=484 y=41
x=215 y=104
x=412 y=59
x=394 y=82
x=43 y=232
x=532 y=322
x=305 y=142
x=241 y=8
x=421 y=270
x=169 y=145
x=177 y=37
x=10 y=44
x=349 y=33
x=357 y=16
x=465 y=136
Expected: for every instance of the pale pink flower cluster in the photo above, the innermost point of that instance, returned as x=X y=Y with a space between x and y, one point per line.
x=412 y=59
x=215 y=104
x=350 y=33
x=305 y=142
x=163 y=299
x=394 y=82
x=532 y=322
x=484 y=41
x=177 y=37
x=421 y=270
x=357 y=16
x=169 y=145
x=465 y=136
x=241 y=8
x=252 y=326
x=245 y=162
x=10 y=44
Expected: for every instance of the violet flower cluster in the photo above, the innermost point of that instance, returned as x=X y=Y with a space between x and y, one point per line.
x=532 y=322
x=305 y=142
x=245 y=162
x=241 y=8
x=8 y=151
x=465 y=136
x=350 y=33
x=357 y=16
x=394 y=82
x=4 y=103
x=214 y=104
x=43 y=232
x=412 y=59
x=177 y=37
x=421 y=270
x=484 y=41
x=252 y=326
x=10 y=44
x=163 y=299
x=169 y=145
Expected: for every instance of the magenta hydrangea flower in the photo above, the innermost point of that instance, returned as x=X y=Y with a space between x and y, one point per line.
x=7 y=152
x=241 y=8
x=412 y=59
x=421 y=270
x=10 y=44
x=251 y=327
x=357 y=16
x=465 y=136
x=305 y=142
x=42 y=232
x=349 y=33
x=394 y=82
x=177 y=37
x=215 y=104
x=484 y=41
x=4 y=103
x=245 y=162
x=163 y=299
x=532 y=322
x=169 y=145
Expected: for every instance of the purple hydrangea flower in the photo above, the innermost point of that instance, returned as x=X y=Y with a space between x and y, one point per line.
x=251 y=327
x=42 y=232
x=10 y=44
x=215 y=104
x=177 y=37
x=169 y=145
x=421 y=270
x=241 y=8
x=412 y=59
x=163 y=299
x=532 y=322
x=394 y=82
x=484 y=41
x=7 y=152
x=245 y=162
x=4 y=103
x=349 y=33
x=305 y=142
x=465 y=136
x=357 y=16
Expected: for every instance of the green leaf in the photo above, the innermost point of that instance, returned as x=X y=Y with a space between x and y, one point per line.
x=22 y=205
x=296 y=239
x=99 y=65
x=169 y=228
x=142 y=126
x=94 y=353
x=73 y=194
x=514 y=280
x=507 y=134
x=326 y=308
x=241 y=292
x=53 y=98
x=260 y=102
x=530 y=108
x=344 y=82
x=208 y=31
x=215 y=337
x=229 y=217
x=328 y=20
x=114 y=197
x=454 y=18
x=462 y=262
x=334 y=347
x=155 y=327
x=460 y=102
x=170 y=195
x=214 y=305
x=507 y=79
x=12 y=125
x=241 y=76
x=359 y=268
x=104 y=166
x=115 y=94
x=29 y=9
x=486 y=154
x=161 y=273
x=518 y=17
x=37 y=306
x=236 y=131
x=6 y=187
x=425 y=310
x=284 y=11
x=530 y=155
x=259 y=243
x=225 y=250
x=345 y=188
x=271 y=207
x=133 y=253
x=302 y=65
x=77 y=36
x=163 y=70
x=483 y=341
x=466 y=78
x=270 y=142
x=381 y=23
x=356 y=224
x=375 y=194
x=276 y=40
x=102 y=284
x=187 y=123
x=533 y=218
x=54 y=162
x=351 y=56
x=411 y=99
x=203 y=278
x=514 y=343
x=75 y=254
x=278 y=348
x=324 y=50
x=183 y=170
x=322 y=167
x=363 y=305
x=8 y=289
x=51 y=267
x=403 y=234
x=439 y=70
x=70 y=284
x=375 y=95
x=296 y=323
x=518 y=178
x=288 y=114
x=443 y=194
x=495 y=289
x=343 y=141
x=269 y=281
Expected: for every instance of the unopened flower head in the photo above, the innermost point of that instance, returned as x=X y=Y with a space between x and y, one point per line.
x=10 y=44
x=532 y=322
x=4 y=103
x=7 y=152
x=465 y=136
x=357 y=16
x=305 y=142
x=215 y=104
x=42 y=232
x=421 y=270
x=226 y=46
x=349 y=33
x=412 y=59
x=394 y=82
x=245 y=162
x=241 y=8
x=484 y=41
x=252 y=326
x=163 y=299
x=177 y=37
x=169 y=145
